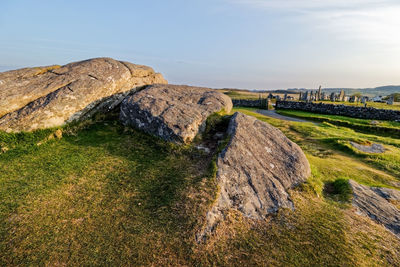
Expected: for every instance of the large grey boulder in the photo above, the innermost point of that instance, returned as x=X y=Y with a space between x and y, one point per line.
x=42 y=97
x=376 y=203
x=176 y=113
x=255 y=171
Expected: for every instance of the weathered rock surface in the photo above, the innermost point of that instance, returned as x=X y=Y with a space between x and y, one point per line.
x=175 y=113
x=387 y=193
x=42 y=97
x=374 y=203
x=374 y=148
x=255 y=170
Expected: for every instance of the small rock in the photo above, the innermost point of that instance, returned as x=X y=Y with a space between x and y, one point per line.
x=374 y=148
x=203 y=148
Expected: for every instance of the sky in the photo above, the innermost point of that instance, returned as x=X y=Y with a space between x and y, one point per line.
x=253 y=44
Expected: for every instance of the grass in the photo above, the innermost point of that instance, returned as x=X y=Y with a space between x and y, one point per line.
x=330 y=160
x=339 y=190
x=109 y=195
x=384 y=128
x=339 y=138
x=328 y=147
x=98 y=197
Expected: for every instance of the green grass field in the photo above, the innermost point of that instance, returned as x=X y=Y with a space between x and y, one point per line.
x=109 y=195
x=382 y=128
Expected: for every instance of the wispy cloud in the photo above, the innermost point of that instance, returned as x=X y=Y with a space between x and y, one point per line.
x=375 y=21
x=316 y=5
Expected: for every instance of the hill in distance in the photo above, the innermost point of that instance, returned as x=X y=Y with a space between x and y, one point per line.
x=381 y=90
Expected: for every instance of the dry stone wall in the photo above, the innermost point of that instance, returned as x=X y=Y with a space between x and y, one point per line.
x=258 y=103
x=342 y=110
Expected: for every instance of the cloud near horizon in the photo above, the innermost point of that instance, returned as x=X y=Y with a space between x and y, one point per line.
x=374 y=21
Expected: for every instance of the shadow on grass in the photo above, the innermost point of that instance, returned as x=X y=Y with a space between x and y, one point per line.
x=338 y=190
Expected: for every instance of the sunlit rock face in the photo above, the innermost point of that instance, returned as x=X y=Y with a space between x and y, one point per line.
x=42 y=97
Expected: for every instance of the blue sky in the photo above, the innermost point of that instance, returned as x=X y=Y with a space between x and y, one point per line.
x=255 y=44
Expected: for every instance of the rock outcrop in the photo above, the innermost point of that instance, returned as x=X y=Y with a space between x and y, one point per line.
x=42 y=97
x=255 y=171
x=175 y=113
x=376 y=203
x=373 y=148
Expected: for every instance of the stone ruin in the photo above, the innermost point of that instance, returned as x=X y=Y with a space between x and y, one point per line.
x=310 y=96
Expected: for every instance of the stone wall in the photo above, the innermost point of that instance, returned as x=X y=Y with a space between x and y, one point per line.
x=342 y=110
x=258 y=103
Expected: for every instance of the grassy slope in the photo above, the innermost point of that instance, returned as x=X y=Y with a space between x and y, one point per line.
x=339 y=137
x=103 y=196
x=325 y=147
x=114 y=196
